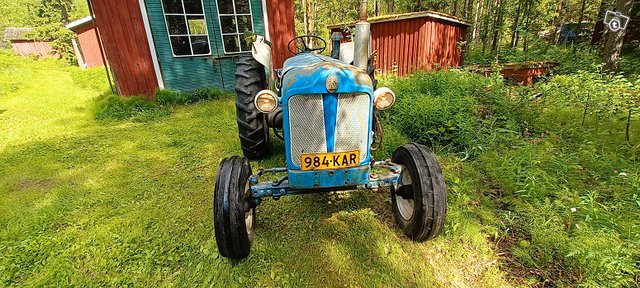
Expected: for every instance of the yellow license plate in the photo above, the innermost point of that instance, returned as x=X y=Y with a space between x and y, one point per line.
x=323 y=161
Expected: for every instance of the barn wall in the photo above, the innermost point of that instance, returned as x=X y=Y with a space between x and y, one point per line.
x=189 y=73
x=125 y=43
x=89 y=46
x=408 y=45
x=28 y=47
x=281 y=29
x=417 y=44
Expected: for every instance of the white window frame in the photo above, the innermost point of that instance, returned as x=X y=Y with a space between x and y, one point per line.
x=238 y=34
x=188 y=35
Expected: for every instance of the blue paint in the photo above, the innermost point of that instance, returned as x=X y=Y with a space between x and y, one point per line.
x=306 y=74
x=269 y=189
x=329 y=178
x=330 y=104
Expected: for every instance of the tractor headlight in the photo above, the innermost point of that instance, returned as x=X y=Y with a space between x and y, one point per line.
x=266 y=101
x=383 y=98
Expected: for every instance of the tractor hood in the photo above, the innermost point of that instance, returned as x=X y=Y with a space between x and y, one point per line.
x=307 y=73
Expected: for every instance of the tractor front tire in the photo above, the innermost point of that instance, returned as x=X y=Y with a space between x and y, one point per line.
x=252 y=126
x=233 y=208
x=420 y=202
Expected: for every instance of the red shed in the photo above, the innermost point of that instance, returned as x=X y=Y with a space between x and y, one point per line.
x=24 y=46
x=86 y=45
x=414 y=41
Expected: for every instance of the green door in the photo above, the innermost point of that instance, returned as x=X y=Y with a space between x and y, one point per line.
x=196 y=45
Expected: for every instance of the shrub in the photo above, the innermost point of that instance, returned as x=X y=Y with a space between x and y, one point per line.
x=168 y=97
x=570 y=60
x=114 y=107
x=448 y=107
x=60 y=38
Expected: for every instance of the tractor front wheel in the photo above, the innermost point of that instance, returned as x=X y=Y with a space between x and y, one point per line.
x=420 y=201
x=233 y=208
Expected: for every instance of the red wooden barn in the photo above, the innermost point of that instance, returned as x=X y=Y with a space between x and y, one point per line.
x=414 y=41
x=24 y=46
x=86 y=45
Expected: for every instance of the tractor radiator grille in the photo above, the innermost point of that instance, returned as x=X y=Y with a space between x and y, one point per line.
x=307 y=126
x=352 y=125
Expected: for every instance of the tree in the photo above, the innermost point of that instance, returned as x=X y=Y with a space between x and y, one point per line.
x=527 y=24
x=497 y=25
x=614 y=40
x=514 y=26
x=476 y=23
x=55 y=11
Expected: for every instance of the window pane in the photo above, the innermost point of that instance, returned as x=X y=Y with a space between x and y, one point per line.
x=228 y=24
x=172 y=6
x=231 y=43
x=244 y=23
x=193 y=7
x=197 y=25
x=242 y=7
x=200 y=45
x=176 y=25
x=246 y=46
x=180 y=45
x=225 y=6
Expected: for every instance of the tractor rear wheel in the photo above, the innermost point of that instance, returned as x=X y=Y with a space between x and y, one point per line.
x=420 y=202
x=233 y=208
x=252 y=126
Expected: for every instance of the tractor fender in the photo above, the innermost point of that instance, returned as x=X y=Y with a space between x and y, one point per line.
x=261 y=51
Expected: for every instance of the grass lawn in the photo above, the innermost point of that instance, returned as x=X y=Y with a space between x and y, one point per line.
x=130 y=204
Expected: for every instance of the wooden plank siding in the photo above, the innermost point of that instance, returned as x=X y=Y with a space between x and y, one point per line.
x=422 y=43
x=29 y=47
x=281 y=29
x=89 y=45
x=189 y=73
x=125 y=43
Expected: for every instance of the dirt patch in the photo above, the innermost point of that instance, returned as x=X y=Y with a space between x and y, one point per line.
x=521 y=274
x=35 y=184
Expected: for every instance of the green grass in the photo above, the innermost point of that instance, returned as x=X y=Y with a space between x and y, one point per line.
x=535 y=196
x=128 y=203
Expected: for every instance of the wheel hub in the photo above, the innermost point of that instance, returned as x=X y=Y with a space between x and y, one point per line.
x=404 y=195
x=249 y=211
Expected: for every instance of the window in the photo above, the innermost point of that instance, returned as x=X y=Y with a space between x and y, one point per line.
x=235 y=19
x=187 y=27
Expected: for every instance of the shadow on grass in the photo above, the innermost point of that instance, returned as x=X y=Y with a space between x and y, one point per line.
x=131 y=204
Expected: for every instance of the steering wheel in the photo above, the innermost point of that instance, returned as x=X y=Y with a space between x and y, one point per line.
x=301 y=44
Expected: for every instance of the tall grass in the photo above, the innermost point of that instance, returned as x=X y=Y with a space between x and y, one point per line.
x=566 y=190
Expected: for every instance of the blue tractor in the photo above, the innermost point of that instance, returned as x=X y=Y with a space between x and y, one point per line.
x=325 y=111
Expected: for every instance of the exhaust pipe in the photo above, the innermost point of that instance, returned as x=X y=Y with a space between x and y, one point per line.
x=361 y=38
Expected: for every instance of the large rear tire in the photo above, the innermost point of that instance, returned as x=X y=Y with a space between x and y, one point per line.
x=420 y=202
x=233 y=208
x=252 y=126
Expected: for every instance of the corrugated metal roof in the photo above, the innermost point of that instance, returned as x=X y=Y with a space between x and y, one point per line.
x=398 y=17
x=16 y=33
